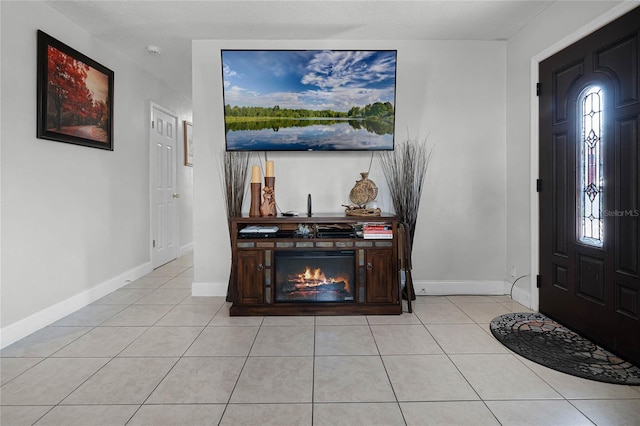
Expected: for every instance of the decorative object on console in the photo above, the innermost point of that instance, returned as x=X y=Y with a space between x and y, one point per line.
x=363 y=192
x=268 y=207
x=256 y=189
x=304 y=231
x=404 y=170
x=358 y=211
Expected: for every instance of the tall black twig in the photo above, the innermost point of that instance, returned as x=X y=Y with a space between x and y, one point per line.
x=404 y=170
x=236 y=168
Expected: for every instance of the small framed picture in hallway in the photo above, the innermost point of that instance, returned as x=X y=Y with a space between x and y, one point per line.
x=188 y=143
x=75 y=96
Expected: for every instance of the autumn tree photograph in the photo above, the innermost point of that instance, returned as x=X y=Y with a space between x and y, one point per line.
x=75 y=96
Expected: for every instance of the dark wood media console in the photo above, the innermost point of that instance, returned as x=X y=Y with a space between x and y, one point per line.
x=318 y=265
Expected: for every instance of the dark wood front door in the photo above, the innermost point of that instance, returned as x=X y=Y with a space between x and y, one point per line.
x=590 y=186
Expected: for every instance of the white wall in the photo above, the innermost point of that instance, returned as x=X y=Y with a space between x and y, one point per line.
x=75 y=220
x=562 y=20
x=184 y=182
x=451 y=91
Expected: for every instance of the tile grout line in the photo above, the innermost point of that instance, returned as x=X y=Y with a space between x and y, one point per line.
x=395 y=395
x=313 y=370
x=170 y=369
x=246 y=359
x=456 y=366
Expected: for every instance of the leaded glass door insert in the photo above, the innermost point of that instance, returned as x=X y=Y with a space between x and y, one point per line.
x=591 y=168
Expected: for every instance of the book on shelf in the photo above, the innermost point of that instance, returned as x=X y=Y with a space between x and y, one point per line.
x=377 y=236
x=378 y=231
x=377 y=227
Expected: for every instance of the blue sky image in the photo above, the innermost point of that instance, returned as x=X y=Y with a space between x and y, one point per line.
x=320 y=79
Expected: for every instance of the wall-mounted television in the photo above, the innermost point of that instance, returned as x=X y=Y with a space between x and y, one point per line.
x=309 y=100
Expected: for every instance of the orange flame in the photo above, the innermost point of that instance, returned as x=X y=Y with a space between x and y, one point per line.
x=315 y=277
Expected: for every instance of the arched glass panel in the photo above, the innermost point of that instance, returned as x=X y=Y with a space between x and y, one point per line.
x=590 y=165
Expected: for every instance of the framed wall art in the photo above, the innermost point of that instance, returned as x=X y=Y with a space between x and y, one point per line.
x=188 y=143
x=75 y=96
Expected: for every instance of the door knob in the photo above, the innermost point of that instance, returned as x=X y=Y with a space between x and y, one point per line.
x=176 y=195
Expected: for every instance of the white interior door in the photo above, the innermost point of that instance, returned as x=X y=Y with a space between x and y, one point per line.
x=163 y=180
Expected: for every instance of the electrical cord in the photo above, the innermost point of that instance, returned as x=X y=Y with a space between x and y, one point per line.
x=513 y=285
x=370 y=163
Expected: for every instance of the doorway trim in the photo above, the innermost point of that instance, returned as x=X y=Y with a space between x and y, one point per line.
x=610 y=16
x=159 y=107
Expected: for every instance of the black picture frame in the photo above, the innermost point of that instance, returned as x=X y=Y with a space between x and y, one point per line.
x=75 y=96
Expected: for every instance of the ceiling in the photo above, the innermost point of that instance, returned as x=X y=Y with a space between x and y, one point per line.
x=129 y=26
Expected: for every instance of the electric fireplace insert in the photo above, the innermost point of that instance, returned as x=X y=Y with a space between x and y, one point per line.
x=315 y=276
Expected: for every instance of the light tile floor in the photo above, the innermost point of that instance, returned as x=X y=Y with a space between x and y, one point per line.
x=151 y=354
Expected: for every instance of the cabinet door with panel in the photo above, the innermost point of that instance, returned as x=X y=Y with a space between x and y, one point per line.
x=379 y=265
x=250 y=276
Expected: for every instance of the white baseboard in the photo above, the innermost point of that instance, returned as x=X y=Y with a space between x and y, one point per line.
x=22 y=328
x=209 y=289
x=451 y=288
x=422 y=288
x=185 y=249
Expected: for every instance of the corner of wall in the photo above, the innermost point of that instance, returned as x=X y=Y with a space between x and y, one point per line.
x=207 y=289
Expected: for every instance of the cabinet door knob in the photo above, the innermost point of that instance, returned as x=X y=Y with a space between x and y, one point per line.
x=260 y=267
x=369 y=266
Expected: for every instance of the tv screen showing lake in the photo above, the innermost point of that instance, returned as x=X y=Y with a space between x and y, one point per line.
x=309 y=135
x=318 y=100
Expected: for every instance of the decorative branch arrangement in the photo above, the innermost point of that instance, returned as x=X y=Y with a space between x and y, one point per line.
x=236 y=168
x=405 y=169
